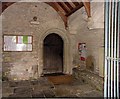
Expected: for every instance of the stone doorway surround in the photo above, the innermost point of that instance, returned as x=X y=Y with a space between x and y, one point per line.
x=53 y=54
x=67 y=57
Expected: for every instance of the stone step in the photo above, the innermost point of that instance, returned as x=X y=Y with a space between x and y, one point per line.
x=89 y=77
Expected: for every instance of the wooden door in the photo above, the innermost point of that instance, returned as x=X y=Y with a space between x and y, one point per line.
x=53 y=54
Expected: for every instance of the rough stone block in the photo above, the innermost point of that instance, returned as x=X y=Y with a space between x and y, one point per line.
x=49 y=93
x=26 y=89
x=5 y=84
x=13 y=84
x=39 y=94
x=37 y=88
x=90 y=78
x=6 y=91
x=7 y=59
x=21 y=95
x=34 y=82
x=24 y=83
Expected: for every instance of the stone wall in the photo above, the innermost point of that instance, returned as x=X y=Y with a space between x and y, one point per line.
x=16 y=20
x=90 y=31
x=89 y=77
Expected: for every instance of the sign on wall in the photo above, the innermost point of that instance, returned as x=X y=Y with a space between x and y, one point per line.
x=82 y=51
x=17 y=43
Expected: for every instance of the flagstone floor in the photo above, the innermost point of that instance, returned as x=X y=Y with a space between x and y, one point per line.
x=44 y=88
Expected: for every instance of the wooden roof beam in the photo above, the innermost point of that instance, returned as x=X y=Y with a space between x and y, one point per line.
x=76 y=3
x=87 y=8
x=56 y=6
x=72 y=4
x=66 y=7
x=4 y=5
x=68 y=4
x=64 y=18
x=75 y=9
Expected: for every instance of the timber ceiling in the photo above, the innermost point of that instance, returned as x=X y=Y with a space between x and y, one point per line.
x=64 y=9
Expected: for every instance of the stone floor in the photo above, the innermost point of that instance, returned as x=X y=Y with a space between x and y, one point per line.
x=43 y=88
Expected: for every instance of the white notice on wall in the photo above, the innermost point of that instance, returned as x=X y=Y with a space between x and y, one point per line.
x=17 y=43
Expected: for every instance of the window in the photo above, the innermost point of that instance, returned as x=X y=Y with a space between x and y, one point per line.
x=17 y=43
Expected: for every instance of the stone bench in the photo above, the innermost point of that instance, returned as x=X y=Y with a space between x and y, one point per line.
x=89 y=77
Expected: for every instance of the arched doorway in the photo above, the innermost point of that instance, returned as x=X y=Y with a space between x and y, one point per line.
x=53 y=54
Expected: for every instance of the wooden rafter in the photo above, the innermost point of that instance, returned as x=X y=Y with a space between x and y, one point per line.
x=72 y=4
x=76 y=3
x=57 y=7
x=87 y=8
x=6 y=4
x=75 y=9
x=68 y=4
x=64 y=9
x=64 y=18
x=60 y=11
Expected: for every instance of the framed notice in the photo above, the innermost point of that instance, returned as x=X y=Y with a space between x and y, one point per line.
x=82 y=51
x=17 y=43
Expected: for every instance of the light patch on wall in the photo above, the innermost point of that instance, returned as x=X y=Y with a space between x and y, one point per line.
x=93 y=25
x=96 y=21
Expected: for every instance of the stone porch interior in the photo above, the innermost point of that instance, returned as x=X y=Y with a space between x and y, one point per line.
x=22 y=71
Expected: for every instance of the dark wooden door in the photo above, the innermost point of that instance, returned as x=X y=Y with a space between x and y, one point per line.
x=53 y=54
